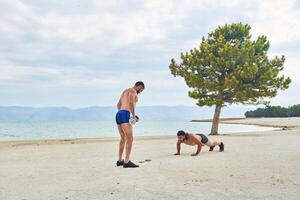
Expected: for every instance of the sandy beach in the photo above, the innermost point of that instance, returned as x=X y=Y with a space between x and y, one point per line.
x=260 y=165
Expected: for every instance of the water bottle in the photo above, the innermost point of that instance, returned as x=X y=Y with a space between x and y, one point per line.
x=132 y=121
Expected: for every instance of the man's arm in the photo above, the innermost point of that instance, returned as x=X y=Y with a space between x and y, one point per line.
x=178 y=148
x=199 y=146
x=198 y=150
x=119 y=104
x=132 y=103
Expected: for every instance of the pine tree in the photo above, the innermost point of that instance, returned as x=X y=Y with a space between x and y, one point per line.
x=228 y=67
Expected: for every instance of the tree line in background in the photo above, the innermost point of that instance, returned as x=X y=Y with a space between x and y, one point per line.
x=275 y=111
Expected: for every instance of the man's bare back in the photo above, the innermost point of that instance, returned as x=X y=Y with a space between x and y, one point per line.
x=128 y=100
x=193 y=140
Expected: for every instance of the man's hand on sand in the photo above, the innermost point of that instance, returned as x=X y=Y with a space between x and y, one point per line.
x=176 y=154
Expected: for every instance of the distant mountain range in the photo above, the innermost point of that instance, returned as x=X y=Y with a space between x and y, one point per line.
x=16 y=113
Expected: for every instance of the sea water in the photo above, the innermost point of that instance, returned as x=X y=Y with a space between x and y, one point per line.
x=90 y=129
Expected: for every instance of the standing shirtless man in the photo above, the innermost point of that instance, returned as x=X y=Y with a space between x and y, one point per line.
x=126 y=106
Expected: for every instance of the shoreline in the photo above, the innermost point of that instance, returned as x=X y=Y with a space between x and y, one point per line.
x=38 y=142
x=41 y=142
x=271 y=122
x=264 y=122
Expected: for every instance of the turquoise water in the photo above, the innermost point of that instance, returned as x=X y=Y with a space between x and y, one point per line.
x=86 y=129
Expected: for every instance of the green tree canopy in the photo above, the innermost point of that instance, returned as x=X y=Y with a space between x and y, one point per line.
x=228 y=67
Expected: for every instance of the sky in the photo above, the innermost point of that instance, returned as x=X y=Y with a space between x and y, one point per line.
x=84 y=53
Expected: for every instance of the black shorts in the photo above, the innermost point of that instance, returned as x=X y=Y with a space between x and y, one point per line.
x=204 y=139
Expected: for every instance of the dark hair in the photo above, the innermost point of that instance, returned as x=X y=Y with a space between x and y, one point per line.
x=139 y=83
x=181 y=132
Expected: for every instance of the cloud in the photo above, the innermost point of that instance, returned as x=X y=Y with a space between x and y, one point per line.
x=279 y=20
x=77 y=87
x=73 y=52
x=81 y=77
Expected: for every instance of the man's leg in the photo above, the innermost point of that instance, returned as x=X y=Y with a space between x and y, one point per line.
x=127 y=129
x=122 y=143
x=212 y=145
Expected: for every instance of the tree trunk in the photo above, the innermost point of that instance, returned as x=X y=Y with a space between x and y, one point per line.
x=216 y=119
